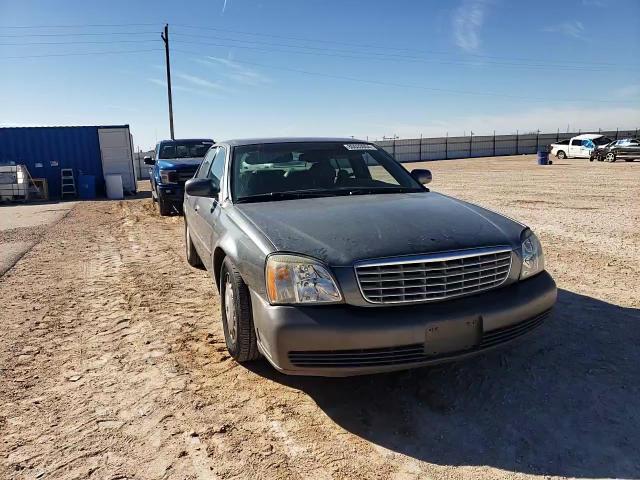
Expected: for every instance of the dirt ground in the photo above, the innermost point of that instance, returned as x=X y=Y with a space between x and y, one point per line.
x=113 y=362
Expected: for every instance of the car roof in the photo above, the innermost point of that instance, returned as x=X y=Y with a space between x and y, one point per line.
x=255 y=141
x=590 y=136
x=187 y=140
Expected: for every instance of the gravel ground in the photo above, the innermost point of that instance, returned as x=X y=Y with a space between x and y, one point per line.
x=113 y=362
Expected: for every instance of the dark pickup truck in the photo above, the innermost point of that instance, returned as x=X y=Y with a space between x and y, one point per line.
x=174 y=162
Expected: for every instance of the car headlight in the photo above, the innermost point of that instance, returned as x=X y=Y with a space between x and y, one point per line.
x=532 y=256
x=168 y=176
x=295 y=279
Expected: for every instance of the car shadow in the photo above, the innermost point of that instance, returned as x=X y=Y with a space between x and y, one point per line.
x=563 y=401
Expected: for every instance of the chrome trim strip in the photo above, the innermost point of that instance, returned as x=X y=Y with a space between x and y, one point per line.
x=433 y=257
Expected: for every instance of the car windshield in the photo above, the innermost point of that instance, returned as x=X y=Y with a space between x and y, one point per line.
x=291 y=170
x=602 y=140
x=185 y=149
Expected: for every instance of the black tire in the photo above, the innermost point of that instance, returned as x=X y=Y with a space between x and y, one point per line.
x=193 y=258
x=610 y=157
x=241 y=337
x=164 y=207
x=561 y=155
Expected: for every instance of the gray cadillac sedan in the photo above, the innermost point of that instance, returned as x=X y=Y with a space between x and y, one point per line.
x=332 y=259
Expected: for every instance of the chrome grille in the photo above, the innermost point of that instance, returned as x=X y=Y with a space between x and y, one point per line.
x=433 y=277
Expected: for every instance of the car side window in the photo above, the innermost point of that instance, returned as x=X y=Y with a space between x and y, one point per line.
x=217 y=167
x=206 y=163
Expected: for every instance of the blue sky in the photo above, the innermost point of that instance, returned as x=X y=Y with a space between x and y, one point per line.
x=246 y=68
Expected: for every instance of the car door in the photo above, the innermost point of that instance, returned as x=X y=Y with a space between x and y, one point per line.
x=191 y=206
x=208 y=209
x=575 y=147
x=629 y=150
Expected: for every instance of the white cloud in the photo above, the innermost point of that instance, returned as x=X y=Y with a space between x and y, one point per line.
x=183 y=88
x=467 y=22
x=199 y=81
x=627 y=91
x=236 y=71
x=570 y=28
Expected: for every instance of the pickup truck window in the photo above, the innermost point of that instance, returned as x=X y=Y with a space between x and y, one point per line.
x=184 y=149
x=576 y=142
x=324 y=168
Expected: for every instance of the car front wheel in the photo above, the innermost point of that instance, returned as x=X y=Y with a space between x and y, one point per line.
x=611 y=157
x=237 y=317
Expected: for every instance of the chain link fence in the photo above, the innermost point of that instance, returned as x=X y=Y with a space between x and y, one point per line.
x=442 y=148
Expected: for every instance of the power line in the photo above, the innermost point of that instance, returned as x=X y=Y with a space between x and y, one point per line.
x=300 y=50
x=21 y=35
x=80 y=54
x=401 y=85
x=86 y=25
x=367 y=46
x=87 y=42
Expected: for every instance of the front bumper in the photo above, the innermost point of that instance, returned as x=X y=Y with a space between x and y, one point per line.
x=341 y=340
x=172 y=193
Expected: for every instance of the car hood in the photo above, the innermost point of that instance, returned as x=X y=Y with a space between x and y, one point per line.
x=341 y=230
x=179 y=163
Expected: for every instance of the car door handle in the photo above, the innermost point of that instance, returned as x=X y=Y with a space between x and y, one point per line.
x=196 y=208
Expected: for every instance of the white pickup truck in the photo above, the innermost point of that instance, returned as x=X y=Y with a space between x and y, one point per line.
x=580 y=146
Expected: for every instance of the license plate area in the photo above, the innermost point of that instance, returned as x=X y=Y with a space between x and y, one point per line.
x=449 y=336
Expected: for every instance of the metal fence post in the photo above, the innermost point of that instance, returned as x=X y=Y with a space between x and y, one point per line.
x=394 y=147
x=494 y=143
x=517 y=141
x=616 y=133
x=537 y=140
x=558 y=136
x=420 y=149
x=471 y=144
x=446 y=146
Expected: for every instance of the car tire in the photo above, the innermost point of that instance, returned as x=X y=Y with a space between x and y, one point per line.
x=164 y=207
x=237 y=316
x=610 y=157
x=193 y=258
x=561 y=155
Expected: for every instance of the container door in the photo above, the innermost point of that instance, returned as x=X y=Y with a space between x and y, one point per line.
x=117 y=158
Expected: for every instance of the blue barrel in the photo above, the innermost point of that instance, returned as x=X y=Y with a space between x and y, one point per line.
x=543 y=157
x=87 y=187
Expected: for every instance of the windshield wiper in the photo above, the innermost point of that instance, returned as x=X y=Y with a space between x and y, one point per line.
x=376 y=190
x=287 y=195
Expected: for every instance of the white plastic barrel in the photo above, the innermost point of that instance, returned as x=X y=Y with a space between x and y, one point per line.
x=114 y=188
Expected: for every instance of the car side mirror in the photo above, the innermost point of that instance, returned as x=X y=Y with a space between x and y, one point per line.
x=422 y=175
x=201 y=187
x=149 y=161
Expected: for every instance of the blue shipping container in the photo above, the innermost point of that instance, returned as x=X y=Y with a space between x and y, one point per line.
x=45 y=150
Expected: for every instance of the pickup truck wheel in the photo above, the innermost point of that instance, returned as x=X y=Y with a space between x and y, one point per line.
x=561 y=155
x=237 y=317
x=193 y=258
x=164 y=207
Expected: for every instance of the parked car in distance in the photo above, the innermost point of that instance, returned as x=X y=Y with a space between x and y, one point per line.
x=331 y=259
x=173 y=163
x=627 y=149
x=579 y=146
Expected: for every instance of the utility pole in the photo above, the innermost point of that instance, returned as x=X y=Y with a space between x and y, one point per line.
x=165 y=39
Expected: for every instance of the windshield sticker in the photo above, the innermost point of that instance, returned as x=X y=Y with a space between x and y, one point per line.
x=359 y=146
